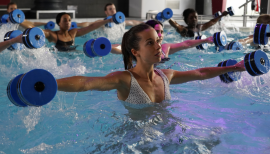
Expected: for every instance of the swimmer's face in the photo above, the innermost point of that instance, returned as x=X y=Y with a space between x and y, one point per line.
x=65 y=22
x=192 y=19
x=110 y=10
x=11 y=8
x=159 y=30
x=149 y=47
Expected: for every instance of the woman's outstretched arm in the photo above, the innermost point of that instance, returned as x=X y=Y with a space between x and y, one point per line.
x=177 y=77
x=6 y=44
x=82 y=83
x=91 y=27
x=174 y=47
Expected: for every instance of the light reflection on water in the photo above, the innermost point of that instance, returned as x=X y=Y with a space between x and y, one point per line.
x=202 y=117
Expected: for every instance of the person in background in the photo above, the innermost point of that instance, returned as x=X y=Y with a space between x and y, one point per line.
x=25 y=24
x=110 y=10
x=167 y=48
x=191 y=19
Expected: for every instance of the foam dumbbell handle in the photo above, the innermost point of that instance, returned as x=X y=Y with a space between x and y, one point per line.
x=256 y=63
x=99 y=47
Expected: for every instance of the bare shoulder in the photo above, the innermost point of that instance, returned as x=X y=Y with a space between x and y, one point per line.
x=168 y=73
x=123 y=76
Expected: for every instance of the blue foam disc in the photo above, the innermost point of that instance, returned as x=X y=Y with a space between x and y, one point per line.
x=4 y=18
x=110 y=24
x=263 y=34
x=203 y=46
x=231 y=76
x=73 y=25
x=220 y=38
x=36 y=37
x=30 y=90
x=17 y=16
x=15 y=46
x=167 y=13
x=88 y=49
x=101 y=46
x=222 y=77
x=12 y=92
x=119 y=18
x=256 y=63
x=230 y=11
x=237 y=46
x=49 y=25
x=159 y=17
x=256 y=38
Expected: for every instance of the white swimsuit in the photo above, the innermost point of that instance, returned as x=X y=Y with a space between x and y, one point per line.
x=138 y=96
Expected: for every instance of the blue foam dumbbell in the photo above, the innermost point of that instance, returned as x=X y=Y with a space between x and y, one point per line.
x=230 y=11
x=165 y=15
x=73 y=25
x=4 y=18
x=10 y=35
x=203 y=46
x=231 y=46
x=256 y=63
x=35 y=88
x=99 y=47
x=230 y=76
x=16 y=16
x=261 y=34
x=49 y=25
x=33 y=38
x=118 y=18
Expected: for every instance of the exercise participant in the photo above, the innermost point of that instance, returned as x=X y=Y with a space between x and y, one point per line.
x=25 y=24
x=142 y=84
x=191 y=19
x=110 y=10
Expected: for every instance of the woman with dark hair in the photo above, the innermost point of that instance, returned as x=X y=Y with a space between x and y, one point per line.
x=64 y=38
x=168 y=48
x=142 y=84
x=191 y=19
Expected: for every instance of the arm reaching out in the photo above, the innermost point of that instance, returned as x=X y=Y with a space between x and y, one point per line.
x=6 y=44
x=81 y=83
x=174 y=47
x=93 y=26
x=177 y=77
x=213 y=21
x=116 y=49
x=247 y=40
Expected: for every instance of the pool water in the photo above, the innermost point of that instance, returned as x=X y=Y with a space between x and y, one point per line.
x=202 y=117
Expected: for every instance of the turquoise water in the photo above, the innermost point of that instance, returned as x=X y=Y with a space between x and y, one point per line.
x=202 y=117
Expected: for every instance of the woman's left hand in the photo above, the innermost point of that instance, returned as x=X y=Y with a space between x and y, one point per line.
x=209 y=39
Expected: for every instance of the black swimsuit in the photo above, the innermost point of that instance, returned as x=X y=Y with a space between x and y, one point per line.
x=65 y=46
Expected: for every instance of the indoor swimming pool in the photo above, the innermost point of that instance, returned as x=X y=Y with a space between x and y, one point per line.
x=202 y=117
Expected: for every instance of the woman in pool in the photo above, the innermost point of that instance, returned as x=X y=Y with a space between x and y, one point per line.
x=168 y=48
x=142 y=84
x=64 y=38
x=191 y=19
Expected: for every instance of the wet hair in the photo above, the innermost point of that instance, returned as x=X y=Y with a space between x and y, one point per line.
x=187 y=12
x=153 y=23
x=264 y=19
x=130 y=41
x=11 y=3
x=108 y=4
x=58 y=17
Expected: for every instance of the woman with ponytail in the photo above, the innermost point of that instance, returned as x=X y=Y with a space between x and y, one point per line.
x=142 y=84
x=168 y=48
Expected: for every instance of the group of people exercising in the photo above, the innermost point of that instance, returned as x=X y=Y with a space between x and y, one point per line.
x=141 y=49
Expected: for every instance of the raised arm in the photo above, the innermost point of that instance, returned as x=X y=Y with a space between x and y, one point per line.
x=81 y=83
x=91 y=27
x=174 y=47
x=6 y=44
x=177 y=77
x=179 y=28
x=213 y=21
